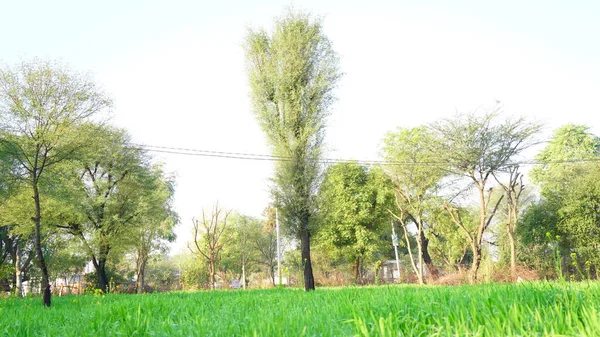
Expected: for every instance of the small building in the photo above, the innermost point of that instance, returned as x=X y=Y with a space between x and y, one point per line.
x=389 y=271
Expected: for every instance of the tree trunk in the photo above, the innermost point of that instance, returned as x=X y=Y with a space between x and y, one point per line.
x=272 y=272
x=45 y=285
x=243 y=276
x=309 y=280
x=141 y=275
x=476 y=244
x=211 y=271
x=101 y=275
x=409 y=248
x=476 y=262
x=356 y=270
x=513 y=253
x=420 y=252
x=433 y=271
x=18 y=291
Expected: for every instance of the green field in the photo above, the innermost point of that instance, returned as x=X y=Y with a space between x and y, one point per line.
x=537 y=309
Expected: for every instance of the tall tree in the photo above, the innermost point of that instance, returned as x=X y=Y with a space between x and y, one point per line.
x=477 y=147
x=354 y=203
x=292 y=73
x=416 y=173
x=41 y=104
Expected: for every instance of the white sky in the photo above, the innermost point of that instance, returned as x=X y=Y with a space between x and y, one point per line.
x=176 y=72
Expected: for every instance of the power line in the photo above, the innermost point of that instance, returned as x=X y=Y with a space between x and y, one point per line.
x=248 y=156
x=266 y=157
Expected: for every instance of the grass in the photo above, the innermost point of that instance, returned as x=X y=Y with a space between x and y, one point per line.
x=535 y=309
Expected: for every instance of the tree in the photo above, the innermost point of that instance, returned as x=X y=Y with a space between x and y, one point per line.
x=416 y=173
x=265 y=243
x=292 y=75
x=570 y=147
x=568 y=180
x=478 y=147
x=354 y=202
x=193 y=271
x=17 y=210
x=164 y=273
x=446 y=244
x=117 y=192
x=512 y=196
x=242 y=255
x=155 y=222
x=541 y=243
x=208 y=241
x=42 y=104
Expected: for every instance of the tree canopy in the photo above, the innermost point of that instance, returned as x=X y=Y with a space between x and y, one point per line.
x=292 y=74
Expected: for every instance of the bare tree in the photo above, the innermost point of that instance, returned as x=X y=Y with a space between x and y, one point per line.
x=208 y=239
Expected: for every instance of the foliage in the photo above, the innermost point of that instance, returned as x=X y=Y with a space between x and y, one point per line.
x=241 y=256
x=124 y=201
x=478 y=148
x=155 y=221
x=448 y=245
x=539 y=238
x=292 y=75
x=569 y=208
x=163 y=273
x=43 y=107
x=265 y=244
x=416 y=175
x=194 y=272
x=353 y=205
x=569 y=144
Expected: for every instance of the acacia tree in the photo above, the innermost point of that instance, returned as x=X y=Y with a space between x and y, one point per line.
x=41 y=104
x=478 y=147
x=292 y=73
x=208 y=241
x=416 y=173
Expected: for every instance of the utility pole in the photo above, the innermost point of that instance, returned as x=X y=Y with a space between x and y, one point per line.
x=244 y=259
x=395 y=242
x=278 y=248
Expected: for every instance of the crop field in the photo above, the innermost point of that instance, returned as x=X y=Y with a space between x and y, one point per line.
x=534 y=309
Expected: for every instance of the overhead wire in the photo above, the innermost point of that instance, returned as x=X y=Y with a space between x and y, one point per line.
x=274 y=158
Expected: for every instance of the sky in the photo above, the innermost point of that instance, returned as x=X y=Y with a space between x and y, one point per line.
x=176 y=71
